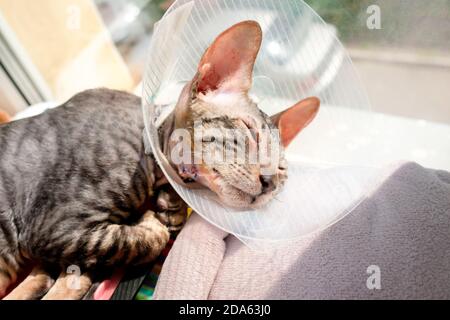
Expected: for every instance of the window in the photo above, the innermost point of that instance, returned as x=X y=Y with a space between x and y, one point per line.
x=51 y=49
x=404 y=62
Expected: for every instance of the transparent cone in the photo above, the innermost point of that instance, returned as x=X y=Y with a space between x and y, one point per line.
x=300 y=57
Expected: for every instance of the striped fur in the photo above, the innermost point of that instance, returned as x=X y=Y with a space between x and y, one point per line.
x=76 y=188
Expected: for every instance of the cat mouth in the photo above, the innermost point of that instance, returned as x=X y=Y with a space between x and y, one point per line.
x=227 y=193
x=195 y=174
x=188 y=173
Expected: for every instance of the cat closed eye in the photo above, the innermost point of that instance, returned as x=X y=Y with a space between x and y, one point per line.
x=209 y=139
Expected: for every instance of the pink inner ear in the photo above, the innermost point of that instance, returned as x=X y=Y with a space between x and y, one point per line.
x=294 y=119
x=228 y=62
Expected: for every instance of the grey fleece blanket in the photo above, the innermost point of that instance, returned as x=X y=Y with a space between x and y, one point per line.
x=394 y=245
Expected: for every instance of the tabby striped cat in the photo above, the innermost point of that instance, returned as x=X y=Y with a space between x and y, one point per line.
x=76 y=187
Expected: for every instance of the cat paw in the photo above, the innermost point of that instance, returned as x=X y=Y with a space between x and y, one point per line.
x=174 y=221
x=171 y=210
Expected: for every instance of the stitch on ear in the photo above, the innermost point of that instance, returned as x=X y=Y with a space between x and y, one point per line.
x=293 y=120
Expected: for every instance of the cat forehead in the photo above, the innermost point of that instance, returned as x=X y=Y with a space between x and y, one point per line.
x=229 y=103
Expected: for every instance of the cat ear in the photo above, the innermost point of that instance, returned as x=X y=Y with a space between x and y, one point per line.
x=228 y=63
x=291 y=121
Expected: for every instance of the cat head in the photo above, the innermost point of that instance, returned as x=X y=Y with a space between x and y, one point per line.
x=228 y=144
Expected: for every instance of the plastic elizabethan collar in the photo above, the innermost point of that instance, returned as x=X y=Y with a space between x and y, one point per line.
x=300 y=57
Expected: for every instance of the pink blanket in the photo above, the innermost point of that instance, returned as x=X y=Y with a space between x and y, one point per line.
x=395 y=244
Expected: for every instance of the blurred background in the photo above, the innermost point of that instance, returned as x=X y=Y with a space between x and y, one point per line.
x=52 y=49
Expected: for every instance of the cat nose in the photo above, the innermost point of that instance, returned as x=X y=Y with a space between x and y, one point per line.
x=266 y=183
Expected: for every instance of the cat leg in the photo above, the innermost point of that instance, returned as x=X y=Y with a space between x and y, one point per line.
x=131 y=245
x=116 y=245
x=35 y=285
x=103 y=246
x=146 y=239
x=69 y=287
x=9 y=268
x=111 y=245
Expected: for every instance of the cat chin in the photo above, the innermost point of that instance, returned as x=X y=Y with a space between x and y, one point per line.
x=233 y=197
x=248 y=202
